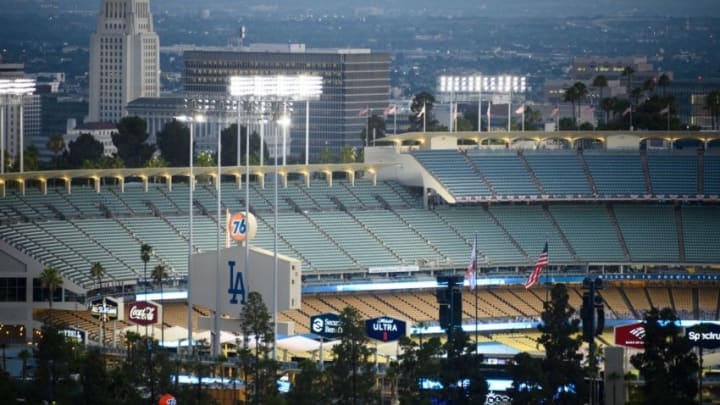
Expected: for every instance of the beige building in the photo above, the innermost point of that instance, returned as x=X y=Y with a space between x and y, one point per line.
x=124 y=59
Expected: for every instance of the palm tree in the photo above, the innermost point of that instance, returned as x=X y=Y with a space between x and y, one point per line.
x=159 y=273
x=649 y=86
x=145 y=253
x=608 y=104
x=628 y=73
x=712 y=103
x=24 y=355
x=575 y=94
x=600 y=82
x=50 y=278
x=56 y=144
x=97 y=271
x=663 y=81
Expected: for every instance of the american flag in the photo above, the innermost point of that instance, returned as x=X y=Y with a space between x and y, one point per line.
x=421 y=112
x=390 y=110
x=542 y=261
x=627 y=111
x=520 y=109
x=363 y=112
x=554 y=112
x=665 y=110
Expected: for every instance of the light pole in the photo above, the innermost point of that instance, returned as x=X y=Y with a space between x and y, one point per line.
x=191 y=184
x=273 y=89
x=13 y=89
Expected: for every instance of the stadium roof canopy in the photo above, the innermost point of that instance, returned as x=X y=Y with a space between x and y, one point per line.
x=426 y=138
x=167 y=173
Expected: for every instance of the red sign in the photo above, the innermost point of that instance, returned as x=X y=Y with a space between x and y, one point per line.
x=631 y=335
x=143 y=313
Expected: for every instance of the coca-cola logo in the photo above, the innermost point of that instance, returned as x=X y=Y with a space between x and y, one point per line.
x=143 y=313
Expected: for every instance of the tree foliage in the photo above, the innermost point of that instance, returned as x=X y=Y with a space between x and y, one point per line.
x=255 y=323
x=544 y=380
x=352 y=373
x=84 y=148
x=173 y=140
x=130 y=142
x=667 y=364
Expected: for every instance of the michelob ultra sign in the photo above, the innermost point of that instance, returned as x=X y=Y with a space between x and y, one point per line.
x=385 y=328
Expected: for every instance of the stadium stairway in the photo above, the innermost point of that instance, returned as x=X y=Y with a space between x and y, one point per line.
x=646 y=171
x=506 y=233
x=558 y=229
x=530 y=171
x=478 y=173
x=680 y=232
x=588 y=174
x=618 y=232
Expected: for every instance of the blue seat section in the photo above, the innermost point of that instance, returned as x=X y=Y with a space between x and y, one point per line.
x=397 y=236
x=673 y=174
x=452 y=170
x=529 y=226
x=321 y=252
x=559 y=173
x=616 y=173
x=432 y=228
x=504 y=171
x=165 y=241
x=492 y=242
x=354 y=239
x=711 y=175
x=649 y=232
x=590 y=232
x=319 y=192
x=701 y=233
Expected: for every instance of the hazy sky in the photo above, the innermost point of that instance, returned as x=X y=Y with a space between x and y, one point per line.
x=493 y=8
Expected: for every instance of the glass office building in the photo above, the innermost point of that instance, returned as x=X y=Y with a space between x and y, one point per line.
x=354 y=81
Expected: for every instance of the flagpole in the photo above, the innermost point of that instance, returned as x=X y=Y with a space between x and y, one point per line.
x=480 y=110
x=523 y=119
x=476 y=294
x=395 y=120
x=424 y=117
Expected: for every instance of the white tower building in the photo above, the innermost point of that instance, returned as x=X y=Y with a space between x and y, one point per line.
x=124 y=58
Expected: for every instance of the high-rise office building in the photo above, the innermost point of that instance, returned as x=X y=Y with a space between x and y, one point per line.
x=356 y=85
x=124 y=59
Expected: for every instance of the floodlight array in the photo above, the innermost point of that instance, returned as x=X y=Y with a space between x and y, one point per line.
x=477 y=84
x=17 y=87
x=300 y=87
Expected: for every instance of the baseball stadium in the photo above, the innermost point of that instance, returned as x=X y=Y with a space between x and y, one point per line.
x=638 y=210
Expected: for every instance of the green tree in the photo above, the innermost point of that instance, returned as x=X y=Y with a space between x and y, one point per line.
x=575 y=95
x=607 y=104
x=600 y=82
x=667 y=363
x=173 y=140
x=416 y=361
x=55 y=144
x=97 y=272
x=130 y=142
x=533 y=119
x=84 y=148
x=95 y=380
x=146 y=252
x=561 y=367
x=310 y=385
x=628 y=73
x=51 y=279
x=347 y=154
x=255 y=322
x=664 y=82
x=461 y=363
x=55 y=356
x=712 y=103
x=421 y=100
x=352 y=373
x=31 y=159
x=326 y=156
x=159 y=273
x=649 y=86
x=375 y=123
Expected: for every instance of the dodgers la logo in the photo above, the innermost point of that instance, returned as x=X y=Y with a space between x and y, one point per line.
x=237 y=285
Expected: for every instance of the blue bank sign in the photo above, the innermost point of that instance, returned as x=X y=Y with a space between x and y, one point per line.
x=385 y=329
x=705 y=335
x=326 y=325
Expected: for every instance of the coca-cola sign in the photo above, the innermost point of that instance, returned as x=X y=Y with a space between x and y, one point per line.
x=143 y=313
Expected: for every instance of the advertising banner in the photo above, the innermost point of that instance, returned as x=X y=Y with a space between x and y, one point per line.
x=631 y=335
x=326 y=325
x=385 y=329
x=143 y=313
x=705 y=335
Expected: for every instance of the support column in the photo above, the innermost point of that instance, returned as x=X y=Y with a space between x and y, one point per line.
x=2 y=188
x=307 y=179
x=21 y=182
x=238 y=181
x=351 y=176
x=374 y=177
x=68 y=185
x=283 y=177
x=96 y=181
x=261 y=177
x=121 y=181
x=43 y=186
x=328 y=177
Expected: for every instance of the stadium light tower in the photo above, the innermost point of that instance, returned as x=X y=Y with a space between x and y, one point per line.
x=190 y=120
x=273 y=90
x=13 y=90
x=454 y=89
